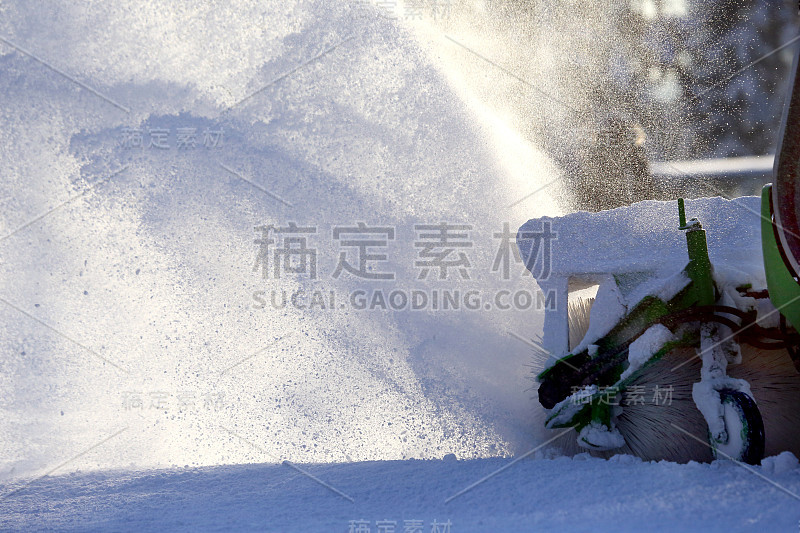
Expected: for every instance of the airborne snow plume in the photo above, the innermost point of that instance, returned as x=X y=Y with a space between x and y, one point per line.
x=136 y=304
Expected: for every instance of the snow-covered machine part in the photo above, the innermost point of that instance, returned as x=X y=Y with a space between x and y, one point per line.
x=658 y=316
x=657 y=297
x=635 y=251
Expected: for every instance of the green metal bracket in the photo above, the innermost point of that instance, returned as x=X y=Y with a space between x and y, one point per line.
x=699 y=267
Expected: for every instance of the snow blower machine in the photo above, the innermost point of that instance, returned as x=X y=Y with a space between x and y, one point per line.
x=689 y=349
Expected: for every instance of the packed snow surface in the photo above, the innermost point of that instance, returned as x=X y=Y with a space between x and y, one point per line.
x=622 y=494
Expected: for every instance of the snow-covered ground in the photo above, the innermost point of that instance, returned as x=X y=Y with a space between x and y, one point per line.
x=580 y=494
x=146 y=379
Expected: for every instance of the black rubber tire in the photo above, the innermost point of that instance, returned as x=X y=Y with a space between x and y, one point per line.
x=752 y=426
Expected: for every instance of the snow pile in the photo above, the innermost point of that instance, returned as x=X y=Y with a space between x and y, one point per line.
x=643 y=348
x=598 y=436
x=783 y=462
x=566 y=409
x=644 y=238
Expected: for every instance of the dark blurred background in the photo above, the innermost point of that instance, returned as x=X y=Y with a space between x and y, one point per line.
x=661 y=88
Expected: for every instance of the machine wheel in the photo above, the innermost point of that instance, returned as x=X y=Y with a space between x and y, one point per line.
x=745 y=429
